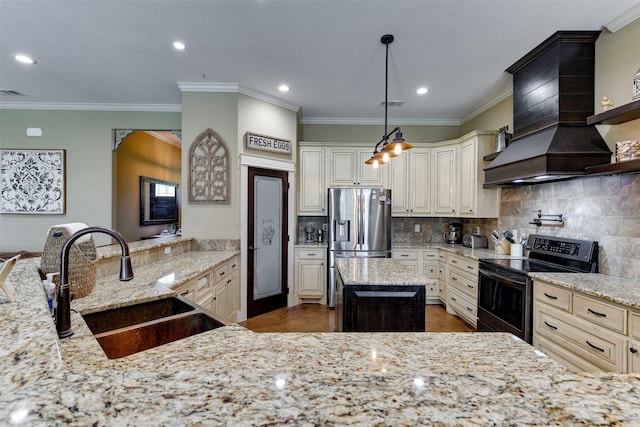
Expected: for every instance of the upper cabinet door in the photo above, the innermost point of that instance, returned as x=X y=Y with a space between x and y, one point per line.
x=468 y=181
x=420 y=179
x=312 y=199
x=347 y=169
x=445 y=160
x=400 y=191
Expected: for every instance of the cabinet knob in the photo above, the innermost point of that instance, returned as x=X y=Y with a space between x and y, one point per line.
x=633 y=350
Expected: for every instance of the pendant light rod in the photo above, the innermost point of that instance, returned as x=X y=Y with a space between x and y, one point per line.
x=387 y=39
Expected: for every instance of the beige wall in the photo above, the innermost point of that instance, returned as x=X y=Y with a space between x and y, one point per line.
x=140 y=154
x=87 y=138
x=494 y=118
x=374 y=133
x=230 y=115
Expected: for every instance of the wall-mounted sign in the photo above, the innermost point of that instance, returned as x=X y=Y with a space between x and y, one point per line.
x=267 y=143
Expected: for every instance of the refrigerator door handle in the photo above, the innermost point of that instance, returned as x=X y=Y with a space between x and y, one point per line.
x=360 y=219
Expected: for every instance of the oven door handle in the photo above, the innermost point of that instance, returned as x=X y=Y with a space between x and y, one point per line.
x=500 y=278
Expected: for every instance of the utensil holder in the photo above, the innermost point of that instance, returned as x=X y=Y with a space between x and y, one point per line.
x=503 y=247
x=516 y=249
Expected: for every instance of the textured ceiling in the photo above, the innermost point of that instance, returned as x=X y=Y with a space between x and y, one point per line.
x=111 y=53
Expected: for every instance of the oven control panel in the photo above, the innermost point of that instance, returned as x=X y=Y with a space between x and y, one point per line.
x=556 y=246
x=561 y=250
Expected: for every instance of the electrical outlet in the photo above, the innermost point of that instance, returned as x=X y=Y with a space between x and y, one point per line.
x=416 y=228
x=324 y=226
x=476 y=231
x=167 y=250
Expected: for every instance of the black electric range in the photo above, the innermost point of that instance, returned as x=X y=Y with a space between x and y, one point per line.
x=505 y=292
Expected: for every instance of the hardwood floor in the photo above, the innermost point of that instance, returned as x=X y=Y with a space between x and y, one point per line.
x=319 y=318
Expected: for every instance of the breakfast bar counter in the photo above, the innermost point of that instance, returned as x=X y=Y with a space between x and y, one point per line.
x=232 y=376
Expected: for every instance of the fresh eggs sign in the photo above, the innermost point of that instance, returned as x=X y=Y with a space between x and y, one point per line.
x=267 y=143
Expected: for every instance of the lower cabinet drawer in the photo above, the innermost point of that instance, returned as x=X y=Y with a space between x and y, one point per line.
x=463 y=305
x=601 y=313
x=604 y=350
x=463 y=282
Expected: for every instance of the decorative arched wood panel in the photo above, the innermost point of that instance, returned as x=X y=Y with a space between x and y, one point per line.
x=209 y=179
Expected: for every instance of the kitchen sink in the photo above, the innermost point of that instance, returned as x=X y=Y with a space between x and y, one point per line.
x=135 y=328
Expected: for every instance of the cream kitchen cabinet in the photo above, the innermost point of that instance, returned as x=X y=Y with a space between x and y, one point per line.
x=442 y=277
x=582 y=332
x=188 y=290
x=312 y=184
x=430 y=269
x=411 y=183
x=347 y=169
x=445 y=180
x=474 y=200
x=462 y=288
x=408 y=257
x=423 y=261
x=226 y=303
x=633 y=345
x=311 y=274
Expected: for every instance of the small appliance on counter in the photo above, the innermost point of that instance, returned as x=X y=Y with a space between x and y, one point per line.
x=474 y=241
x=454 y=235
x=309 y=234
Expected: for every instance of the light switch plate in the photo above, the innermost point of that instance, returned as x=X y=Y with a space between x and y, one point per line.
x=167 y=250
x=416 y=228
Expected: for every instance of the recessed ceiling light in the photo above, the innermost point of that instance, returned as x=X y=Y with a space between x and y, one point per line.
x=422 y=90
x=24 y=59
x=283 y=88
x=179 y=45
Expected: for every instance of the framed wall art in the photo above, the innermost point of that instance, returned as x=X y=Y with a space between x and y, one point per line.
x=32 y=181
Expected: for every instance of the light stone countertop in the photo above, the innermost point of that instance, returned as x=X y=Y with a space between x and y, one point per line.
x=475 y=254
x=379 y=271
x=610 y=288
x=231 y=376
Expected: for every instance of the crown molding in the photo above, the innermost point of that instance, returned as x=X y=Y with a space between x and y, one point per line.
x=484 y=107
x=378 y=121
x=236 y=88
x=623 y=20
x=172 y=108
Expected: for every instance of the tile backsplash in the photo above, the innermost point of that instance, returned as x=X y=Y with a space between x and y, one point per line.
x=605 y=209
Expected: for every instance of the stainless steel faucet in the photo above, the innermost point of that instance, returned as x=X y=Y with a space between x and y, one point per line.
x=63 y=308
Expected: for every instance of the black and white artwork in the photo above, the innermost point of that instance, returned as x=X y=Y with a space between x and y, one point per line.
x=32 y=181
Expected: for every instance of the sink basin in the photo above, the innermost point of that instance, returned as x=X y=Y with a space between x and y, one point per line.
x=122 y=317
x=132 y=329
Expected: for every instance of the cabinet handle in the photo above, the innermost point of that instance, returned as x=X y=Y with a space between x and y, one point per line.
x=453 y=299
x=234 y=265
x=550 y=296
x=633 y=350
x=454 y=278
x=183 y=293
x=453 y=261
x=470 y=267
x=550 y=325
x=595 y=347
x=311 y=254
x=470 y=309
x=595 y=313
x=404 y=255
x=229 y=281
x=469 y=286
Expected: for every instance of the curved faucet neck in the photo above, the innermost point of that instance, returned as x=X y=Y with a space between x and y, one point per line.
x=63 y=303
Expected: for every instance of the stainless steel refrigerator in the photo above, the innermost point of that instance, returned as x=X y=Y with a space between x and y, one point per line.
x=359 y=226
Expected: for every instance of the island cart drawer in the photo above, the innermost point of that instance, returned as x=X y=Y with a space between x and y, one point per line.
x=552 y=296
x=467 y=265
x=600 y=313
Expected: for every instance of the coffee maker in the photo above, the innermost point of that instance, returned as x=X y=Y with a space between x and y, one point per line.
x=309 y=234
x=454 y=235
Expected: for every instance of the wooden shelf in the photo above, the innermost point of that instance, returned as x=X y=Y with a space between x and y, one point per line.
x=629 y=166
x=616 y=116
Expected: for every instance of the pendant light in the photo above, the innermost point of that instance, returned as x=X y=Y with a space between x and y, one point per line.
x=395 y=147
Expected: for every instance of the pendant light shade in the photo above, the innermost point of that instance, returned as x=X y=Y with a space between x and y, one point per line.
x=398 y=145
